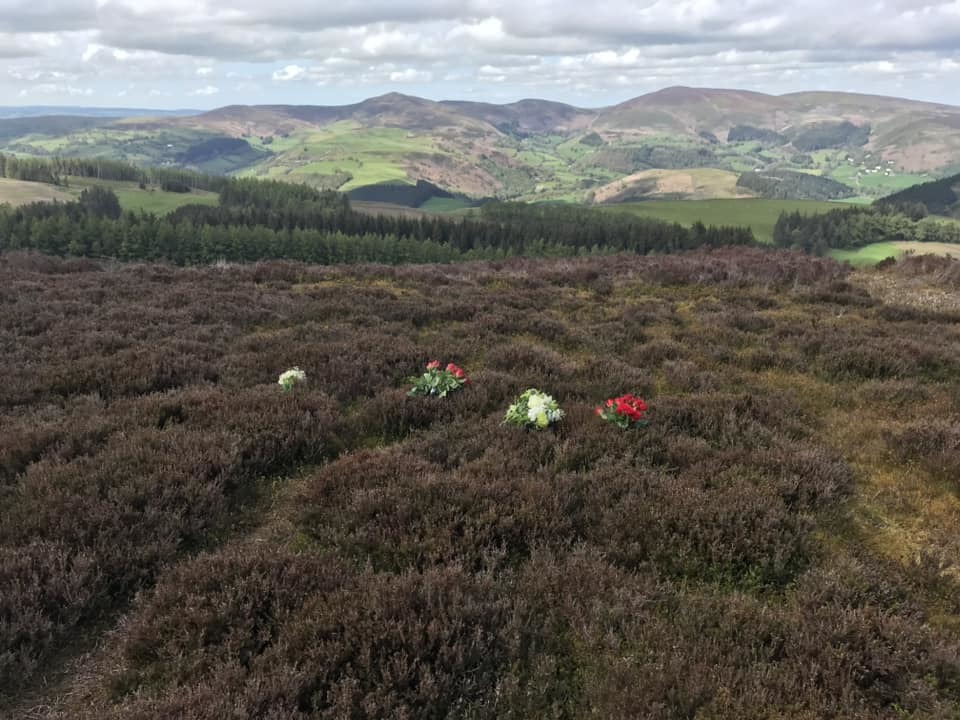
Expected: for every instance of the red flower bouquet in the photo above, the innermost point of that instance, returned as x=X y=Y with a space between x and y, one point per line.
x=625 y=411
x=438 y=382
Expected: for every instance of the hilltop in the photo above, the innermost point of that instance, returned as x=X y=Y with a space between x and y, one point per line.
x=535 y=149
x=777 y=542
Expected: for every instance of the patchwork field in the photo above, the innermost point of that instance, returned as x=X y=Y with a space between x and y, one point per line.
x=343 y=156
x=779 y=542
x=688 y=142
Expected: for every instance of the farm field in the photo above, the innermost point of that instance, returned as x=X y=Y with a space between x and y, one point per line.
x=159 y=202
x=777 y=542
x=152 y=199
x=759 y=214
x=356 y=156
x=130 y=195
x=19 y=192
x=693 y=184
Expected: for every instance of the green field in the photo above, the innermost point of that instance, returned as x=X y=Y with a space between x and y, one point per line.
x=868 y=254
x=872 y=254
x=152 y=200
x=445 y=205
x=159 y=202
x=130 y=195
x=369 y=155
x=759 y=215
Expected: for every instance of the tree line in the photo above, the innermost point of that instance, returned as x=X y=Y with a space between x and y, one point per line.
x=58 y=170
x=327 y=230
x=854 y=227
x=789 y=185
x=937 y=197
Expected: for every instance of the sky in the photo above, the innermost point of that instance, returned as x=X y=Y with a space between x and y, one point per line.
x=204 y=54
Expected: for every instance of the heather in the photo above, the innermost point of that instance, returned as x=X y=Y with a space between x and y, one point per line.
x=183 y=536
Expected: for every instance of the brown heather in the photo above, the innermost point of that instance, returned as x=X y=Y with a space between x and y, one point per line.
x=181 y=539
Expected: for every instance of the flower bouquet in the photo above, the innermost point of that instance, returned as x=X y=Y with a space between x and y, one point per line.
x=625 y=411
x=293 y=376
x=438 y=382
x=534 y=409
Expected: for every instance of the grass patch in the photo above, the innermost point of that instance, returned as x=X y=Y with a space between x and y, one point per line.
x=445 y=205
x=758 y=214
x=868 y=254
x=872 y=254
x=152 y=200
x=20 y=192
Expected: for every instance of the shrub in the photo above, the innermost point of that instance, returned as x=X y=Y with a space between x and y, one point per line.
x=426 y=560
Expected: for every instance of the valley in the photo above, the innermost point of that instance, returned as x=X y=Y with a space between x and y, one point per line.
x=677 y=143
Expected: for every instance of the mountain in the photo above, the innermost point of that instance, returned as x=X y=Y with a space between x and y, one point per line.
x=527 y=116
x=95 y=112
x=690 y=110
x=537 y=149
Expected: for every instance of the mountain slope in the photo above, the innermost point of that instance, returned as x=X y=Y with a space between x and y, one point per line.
x=527 y=116
x=690 y=110
x=535 y=149
x=939 y=197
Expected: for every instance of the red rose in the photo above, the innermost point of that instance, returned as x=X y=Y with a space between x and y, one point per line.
x=433 y=365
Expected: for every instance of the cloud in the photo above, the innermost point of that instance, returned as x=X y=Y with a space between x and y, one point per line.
x=289 y=72
x=878 y=66
x=590 y=53
x=56 y=89
x=206 y=90
x=410 y=75
x=32 y=16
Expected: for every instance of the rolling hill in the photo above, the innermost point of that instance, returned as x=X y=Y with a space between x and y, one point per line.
x=532 y=149
x=939 y=197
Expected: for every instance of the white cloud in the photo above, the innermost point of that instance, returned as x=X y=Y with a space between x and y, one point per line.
x=410 y=75
x=879 y=66
x=56 y=89
x=206 y=90
x=290 y=72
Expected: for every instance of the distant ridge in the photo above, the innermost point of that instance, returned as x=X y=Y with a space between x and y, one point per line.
x=11 y=111
x=651 y=145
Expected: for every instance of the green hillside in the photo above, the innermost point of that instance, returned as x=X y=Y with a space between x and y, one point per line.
x=534 y=149
x=939 y=197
